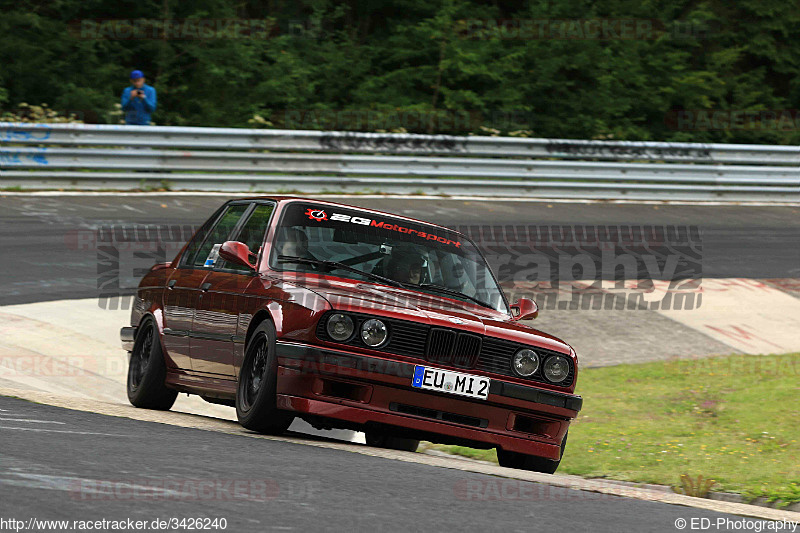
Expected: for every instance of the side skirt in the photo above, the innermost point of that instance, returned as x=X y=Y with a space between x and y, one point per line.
x=209 y=386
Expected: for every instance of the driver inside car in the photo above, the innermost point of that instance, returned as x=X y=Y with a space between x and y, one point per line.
x=293 y=243
x=406 y=265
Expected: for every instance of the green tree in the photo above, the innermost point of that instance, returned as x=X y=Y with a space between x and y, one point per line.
x=420 y=66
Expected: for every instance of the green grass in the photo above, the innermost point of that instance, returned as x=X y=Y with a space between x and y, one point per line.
x=733 y=419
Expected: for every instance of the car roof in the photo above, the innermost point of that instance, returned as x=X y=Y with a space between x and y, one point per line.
x=291 y=199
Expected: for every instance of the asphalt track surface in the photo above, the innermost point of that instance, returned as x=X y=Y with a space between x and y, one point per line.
x=55 y=466
x=41 y=262
x=49 y=455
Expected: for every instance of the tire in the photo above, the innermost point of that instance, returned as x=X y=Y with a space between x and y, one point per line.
x=380 y=439
x=255 y=393
x=147 y=371
x=533 y=463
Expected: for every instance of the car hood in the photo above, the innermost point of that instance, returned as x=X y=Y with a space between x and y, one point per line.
x=434 y=310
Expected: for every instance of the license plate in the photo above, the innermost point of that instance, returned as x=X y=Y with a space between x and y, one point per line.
x=440 y=380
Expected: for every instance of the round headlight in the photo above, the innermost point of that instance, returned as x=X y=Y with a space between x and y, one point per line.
x=525 y=362
x=556 y=368
x=373 y=332
x=340 y=327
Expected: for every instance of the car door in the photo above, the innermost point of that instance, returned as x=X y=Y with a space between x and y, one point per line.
x=180 y=298
x=182 y=294
x=220 y=305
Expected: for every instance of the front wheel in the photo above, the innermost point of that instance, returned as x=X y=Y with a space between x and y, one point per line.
x=533 y=463
x=147 y=371
x=255 y=393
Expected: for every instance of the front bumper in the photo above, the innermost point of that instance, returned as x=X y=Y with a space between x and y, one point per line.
x=365 y=390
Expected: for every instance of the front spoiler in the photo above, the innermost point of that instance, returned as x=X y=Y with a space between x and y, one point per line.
x=365 y=363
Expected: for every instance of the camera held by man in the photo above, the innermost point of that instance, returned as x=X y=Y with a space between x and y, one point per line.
x=138 y=100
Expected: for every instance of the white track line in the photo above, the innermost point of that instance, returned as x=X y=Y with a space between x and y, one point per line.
x=31 y=420
x=63 y=431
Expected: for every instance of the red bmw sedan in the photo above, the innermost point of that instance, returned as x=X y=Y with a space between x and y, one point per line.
x=351 y=318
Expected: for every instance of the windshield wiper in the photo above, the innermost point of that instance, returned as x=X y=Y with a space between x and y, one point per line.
x=453 y=292
x=337 y=264
x=388 y=281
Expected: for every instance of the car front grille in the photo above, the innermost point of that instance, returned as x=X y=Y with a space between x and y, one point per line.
x=449 y=347
x=440 y=345
x=468 y=349
x=496 y=356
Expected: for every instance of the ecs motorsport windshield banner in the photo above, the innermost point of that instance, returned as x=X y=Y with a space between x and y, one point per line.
x=320 y=214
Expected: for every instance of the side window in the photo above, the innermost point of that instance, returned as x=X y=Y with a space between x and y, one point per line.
x=218 y=234
x=252 y=233
x=197 y=240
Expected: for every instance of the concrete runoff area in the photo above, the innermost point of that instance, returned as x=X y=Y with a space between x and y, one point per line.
x=72 y=348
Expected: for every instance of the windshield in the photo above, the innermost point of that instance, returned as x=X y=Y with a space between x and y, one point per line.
x=358 y=245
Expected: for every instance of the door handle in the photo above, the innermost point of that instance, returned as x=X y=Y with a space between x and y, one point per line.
x=205 y=286
x=171 y=283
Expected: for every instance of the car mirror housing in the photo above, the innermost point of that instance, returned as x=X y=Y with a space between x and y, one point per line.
x=236 y=252
x=524 y=309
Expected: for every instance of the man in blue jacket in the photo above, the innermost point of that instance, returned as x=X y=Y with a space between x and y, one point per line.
x=138 y=100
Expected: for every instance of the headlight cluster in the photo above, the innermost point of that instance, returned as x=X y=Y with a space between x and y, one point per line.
x=526 y=362
x=556 y=368
x=373 y=332
x=340 y=327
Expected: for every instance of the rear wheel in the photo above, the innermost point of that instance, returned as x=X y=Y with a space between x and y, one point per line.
x=255 y=393
x=533 y=463
x=147 y=371
x=381 y=439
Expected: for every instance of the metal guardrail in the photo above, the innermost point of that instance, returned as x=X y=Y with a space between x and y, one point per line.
x=119 y=157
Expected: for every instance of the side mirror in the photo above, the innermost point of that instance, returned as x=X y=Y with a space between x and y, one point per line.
x=236 y=252
x=524 y=309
